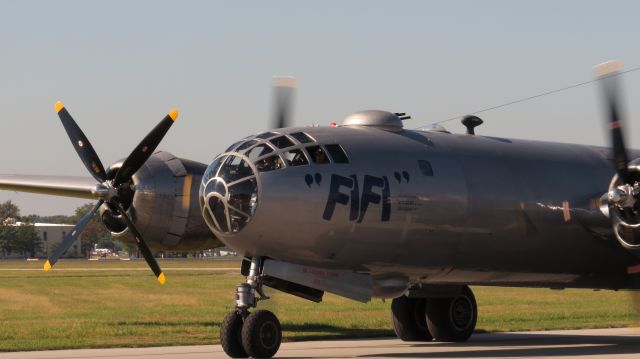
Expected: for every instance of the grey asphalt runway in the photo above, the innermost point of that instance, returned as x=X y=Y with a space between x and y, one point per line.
x=593 y=343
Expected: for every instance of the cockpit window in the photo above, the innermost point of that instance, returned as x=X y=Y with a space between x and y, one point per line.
x=234 y=169
x=258 y=151
x=246 y=145
x=232 y=146
x=238 y=220
x=337 y=153
x=228 y=196
x=212 y=169
x=216 y=186
x=206 y=214
x=281 y=142
x=295 y=158
x=269 y=163
x=243 y=196
x=266 y=135
x=317 y=154
x=219 y=213
x=302 y=137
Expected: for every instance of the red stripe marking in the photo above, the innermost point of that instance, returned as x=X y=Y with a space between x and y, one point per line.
x=633 y=269
x=615 y=124
x=565 y=211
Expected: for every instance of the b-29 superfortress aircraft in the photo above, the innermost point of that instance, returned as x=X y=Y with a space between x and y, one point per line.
x=369 y=209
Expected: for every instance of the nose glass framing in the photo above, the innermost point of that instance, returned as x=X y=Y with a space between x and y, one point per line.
x=229 y=193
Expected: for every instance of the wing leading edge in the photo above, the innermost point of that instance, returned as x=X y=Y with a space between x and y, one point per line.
x=67 y=186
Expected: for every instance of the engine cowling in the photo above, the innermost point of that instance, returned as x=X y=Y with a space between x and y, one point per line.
x=162 y=201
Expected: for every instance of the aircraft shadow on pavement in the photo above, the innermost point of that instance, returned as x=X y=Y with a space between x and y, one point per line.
x=525 y=345
x=315 y=331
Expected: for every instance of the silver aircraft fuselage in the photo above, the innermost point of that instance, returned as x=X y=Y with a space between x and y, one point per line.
x=414 y=207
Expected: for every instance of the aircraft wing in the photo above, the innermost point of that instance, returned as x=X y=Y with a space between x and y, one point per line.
x=68 y=186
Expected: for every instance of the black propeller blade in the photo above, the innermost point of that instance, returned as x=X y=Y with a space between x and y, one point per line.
x=608 y=75
x=142 y=246
x=136 y=159
x=71 y=237
x=284 y=88
x=81 y=143
x=145 y=149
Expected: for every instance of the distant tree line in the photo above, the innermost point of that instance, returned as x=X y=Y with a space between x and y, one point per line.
x=25 y=240
x=22 y=239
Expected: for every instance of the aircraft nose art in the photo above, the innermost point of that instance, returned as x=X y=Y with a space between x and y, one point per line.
x=229 y=194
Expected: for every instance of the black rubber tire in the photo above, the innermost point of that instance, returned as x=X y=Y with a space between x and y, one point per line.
x=409 y=319
x=231 y=335
x=452 y=319
x=261 y=334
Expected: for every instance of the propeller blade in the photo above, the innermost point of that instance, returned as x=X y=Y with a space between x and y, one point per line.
x=284 y=89
x=142 y=246
x=145 y=149
x=81 y=144
x=608 y=73
x=71 y=237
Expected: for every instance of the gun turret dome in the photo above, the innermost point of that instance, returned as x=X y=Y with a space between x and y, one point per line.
x=375 y=118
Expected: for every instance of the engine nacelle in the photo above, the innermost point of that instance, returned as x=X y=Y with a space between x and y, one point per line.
x=162 y=201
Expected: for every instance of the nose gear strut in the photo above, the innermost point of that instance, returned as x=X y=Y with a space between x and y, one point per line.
x=257 y=334
x=246 y=292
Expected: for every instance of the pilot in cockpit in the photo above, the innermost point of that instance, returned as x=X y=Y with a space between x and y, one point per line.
x=318 y=155
x=269 y=164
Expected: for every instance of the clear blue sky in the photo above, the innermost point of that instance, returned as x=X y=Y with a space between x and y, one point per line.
x=120 y=65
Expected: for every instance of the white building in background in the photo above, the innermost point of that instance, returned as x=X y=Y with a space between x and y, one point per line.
x=51 y=235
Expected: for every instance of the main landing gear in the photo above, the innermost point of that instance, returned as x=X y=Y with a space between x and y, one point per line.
x=256 y=334
x=445 y=319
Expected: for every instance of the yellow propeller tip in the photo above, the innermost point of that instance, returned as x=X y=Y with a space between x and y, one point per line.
x=608 y=68
x=59 y=106
x=162 y=278
x=173 y=114
x=285 y=81
x=47 y=266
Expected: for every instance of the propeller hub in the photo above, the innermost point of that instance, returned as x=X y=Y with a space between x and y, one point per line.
x=104 y=190
x=624 y=195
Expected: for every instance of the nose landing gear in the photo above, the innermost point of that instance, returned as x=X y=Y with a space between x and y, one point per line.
x=244 y=334
x=231 y=335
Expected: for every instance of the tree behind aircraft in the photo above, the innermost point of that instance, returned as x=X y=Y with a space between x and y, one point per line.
x=23 y=239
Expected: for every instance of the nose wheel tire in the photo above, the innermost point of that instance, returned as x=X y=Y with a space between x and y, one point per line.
x=230 y=335
x=409 y=319
x=261 y=334
x=452 y=319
